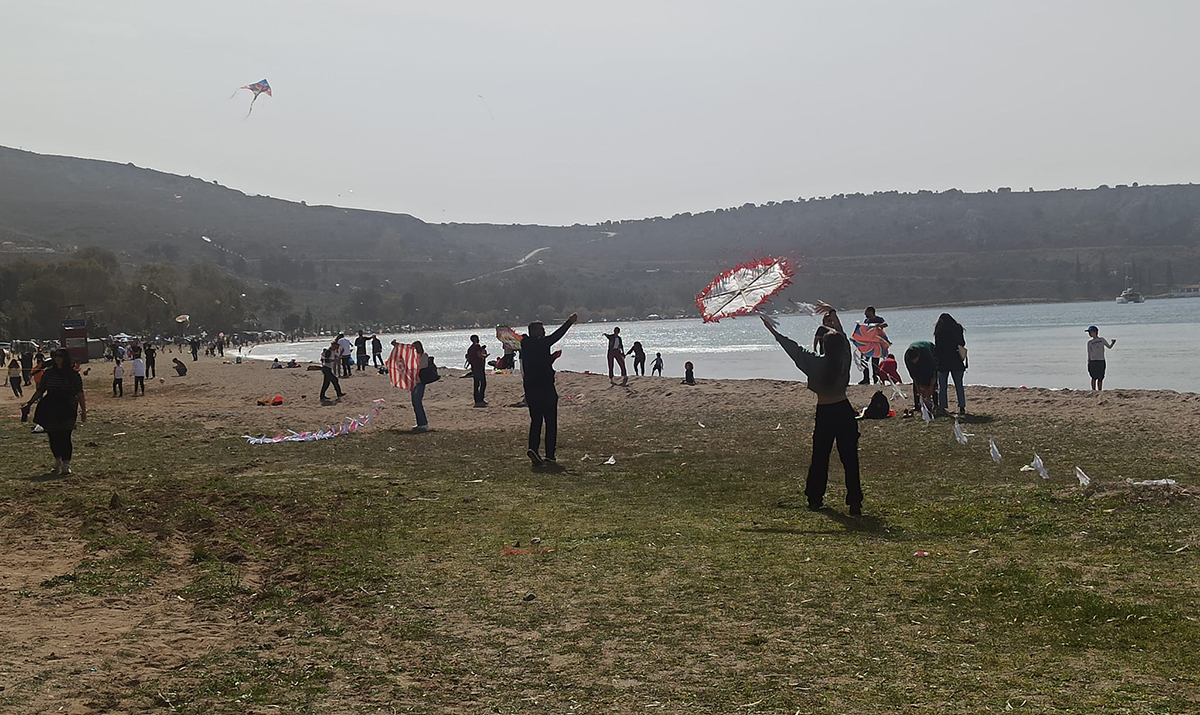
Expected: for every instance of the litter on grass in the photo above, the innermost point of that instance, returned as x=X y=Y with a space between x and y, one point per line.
x=1084 y=479
x=1152 y=483
x=611 y=460
x=995 y=452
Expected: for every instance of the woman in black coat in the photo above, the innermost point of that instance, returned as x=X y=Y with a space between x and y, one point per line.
x=949 y=347
x=60 y=402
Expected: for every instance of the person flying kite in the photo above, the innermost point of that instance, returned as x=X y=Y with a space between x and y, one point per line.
x=260 y=87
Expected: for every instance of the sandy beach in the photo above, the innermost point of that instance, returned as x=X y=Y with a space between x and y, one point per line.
x=181 y=569
x=222 y=398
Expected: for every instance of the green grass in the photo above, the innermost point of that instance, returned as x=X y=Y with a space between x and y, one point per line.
x=688 y=577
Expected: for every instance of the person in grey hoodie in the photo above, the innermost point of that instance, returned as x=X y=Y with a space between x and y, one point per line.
x=828 y=375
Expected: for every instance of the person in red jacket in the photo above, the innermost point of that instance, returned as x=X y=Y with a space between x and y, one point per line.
x=888 y=369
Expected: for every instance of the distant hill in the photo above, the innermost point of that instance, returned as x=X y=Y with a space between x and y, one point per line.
x=886 y=248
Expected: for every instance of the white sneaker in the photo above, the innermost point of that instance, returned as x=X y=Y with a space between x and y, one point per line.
x=66 y=468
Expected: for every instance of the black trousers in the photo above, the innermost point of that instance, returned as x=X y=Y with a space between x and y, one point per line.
x=150 y=369
x=330 y=379
x=639 y=365
x=118 y=387
x=362 y=361
x=543 y=408
x=345 y=366
x=16 y=386
x=834 y=422
x=60 y=444
x=139 y=383
x=479 y=380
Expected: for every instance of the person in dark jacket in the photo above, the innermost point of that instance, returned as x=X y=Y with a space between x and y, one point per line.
x=949 y=351
x=541 y=397
x=922 y=368
x=477 y=356
x=60 y=402
x=828 y=375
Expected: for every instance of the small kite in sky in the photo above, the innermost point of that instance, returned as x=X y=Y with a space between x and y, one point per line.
x=741 y=289
x=260 y=87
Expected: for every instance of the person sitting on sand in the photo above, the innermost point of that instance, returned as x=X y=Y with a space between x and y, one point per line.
x=276 y=365
x=922 y=368
x=180 y=368
x=888 y=369
x=689 y=377
x=657 y=366
x=828 y=375
x=293 y=363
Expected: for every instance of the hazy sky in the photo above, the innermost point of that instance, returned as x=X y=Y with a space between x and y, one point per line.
x=613 y=109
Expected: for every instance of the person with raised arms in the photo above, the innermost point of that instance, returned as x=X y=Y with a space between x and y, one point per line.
x=828 y=375
x=541 y=396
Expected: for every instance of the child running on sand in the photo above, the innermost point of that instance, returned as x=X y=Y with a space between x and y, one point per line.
x=828 y=375
x=657 y=366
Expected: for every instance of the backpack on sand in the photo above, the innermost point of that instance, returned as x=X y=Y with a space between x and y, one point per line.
x=878 y=409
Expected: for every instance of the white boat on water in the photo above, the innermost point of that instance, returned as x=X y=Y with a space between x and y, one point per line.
x=1130 y=295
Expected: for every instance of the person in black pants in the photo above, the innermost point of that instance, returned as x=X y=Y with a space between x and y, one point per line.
x=27 y=367
x=639 y=358
x=477 y=358
x=870 y=317
x=330 y=360
x=541 y=397
x=828 y=376
x=150 y=352
x=360 y=344
x=60 y=401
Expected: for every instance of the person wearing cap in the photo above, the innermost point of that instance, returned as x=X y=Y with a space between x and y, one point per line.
x=1095 y=352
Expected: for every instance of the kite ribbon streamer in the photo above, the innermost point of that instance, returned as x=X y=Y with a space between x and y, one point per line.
x=348 y=426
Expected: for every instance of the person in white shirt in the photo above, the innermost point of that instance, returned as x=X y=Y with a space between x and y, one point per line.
x=118 y=379
x=1096 y=346
x=346 y=349
x=139 y=376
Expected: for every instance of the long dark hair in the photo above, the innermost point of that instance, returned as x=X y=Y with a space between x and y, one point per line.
x=947 y=327
x=837 y=350
x=67 y=364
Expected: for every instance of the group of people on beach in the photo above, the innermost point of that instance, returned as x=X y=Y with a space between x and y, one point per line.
x=617 y=355
x=61 y=403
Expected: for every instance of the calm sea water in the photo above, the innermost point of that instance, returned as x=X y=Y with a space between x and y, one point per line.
x=1040 y=345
